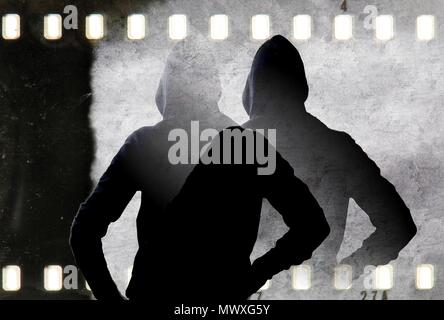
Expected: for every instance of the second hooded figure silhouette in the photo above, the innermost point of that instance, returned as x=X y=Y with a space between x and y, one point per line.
x=333 y=166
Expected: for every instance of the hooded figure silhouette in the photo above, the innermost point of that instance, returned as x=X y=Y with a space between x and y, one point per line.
x=333 y=166
x=189 y=90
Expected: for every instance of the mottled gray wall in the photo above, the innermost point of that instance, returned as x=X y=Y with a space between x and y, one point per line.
x=388 y=96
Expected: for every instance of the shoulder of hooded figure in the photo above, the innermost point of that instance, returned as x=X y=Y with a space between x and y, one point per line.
x=354 y=155
x=138 y=136
x=349 y=145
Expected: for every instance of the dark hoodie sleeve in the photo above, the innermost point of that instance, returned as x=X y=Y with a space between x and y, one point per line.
x=302 y=214
x=104 y=206
x=379 y=199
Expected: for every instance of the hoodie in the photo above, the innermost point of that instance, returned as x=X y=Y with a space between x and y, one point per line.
x=276 y=81
x=333 y=166
x=189 y=91
x=218 y=211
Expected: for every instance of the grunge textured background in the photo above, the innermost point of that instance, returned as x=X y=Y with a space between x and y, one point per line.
x=387 y=95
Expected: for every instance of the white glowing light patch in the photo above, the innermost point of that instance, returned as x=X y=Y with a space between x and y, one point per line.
x=425 y=277
x=384 y=27
x=301 y=277
x=53 y=278
x=219 y=27
x=343 y=27
x=425 y=27
x=302 y=27
x=384 y=277
x=87 y=286
x=11 y=278
x=129 y=273
x=53 y=26
x=94 y=27
x=11 y=26
x=177 y=26
x=260 y=27
x=343 y=277
x=136 y=27
x=266 y=286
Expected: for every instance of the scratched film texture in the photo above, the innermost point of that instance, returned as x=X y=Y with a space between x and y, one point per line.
x=387 y=96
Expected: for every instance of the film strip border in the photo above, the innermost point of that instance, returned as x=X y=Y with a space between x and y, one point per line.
x=219 y=27
x=57 y=278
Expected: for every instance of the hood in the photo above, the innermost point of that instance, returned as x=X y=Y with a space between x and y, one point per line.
x=190 y=84
x=277 y=81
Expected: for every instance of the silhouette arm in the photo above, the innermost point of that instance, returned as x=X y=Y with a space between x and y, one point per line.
x=301 y=213
x=385 y=209
x=104 y=206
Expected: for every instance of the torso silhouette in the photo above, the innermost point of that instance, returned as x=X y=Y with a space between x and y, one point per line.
x=156 y=268
x=319 y=158
x=327 y=161
x=142 y=164
x=215 y=220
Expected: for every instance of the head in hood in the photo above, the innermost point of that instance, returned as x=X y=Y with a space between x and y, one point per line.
x=190 y=84
x=277 y=82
